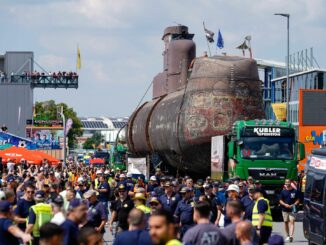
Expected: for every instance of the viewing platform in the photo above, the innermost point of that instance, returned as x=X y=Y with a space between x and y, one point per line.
x=42 y=80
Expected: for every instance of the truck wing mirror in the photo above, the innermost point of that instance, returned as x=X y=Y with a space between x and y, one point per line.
x=231 y=149
x=302 y=152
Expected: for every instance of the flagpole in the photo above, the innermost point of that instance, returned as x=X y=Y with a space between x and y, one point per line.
x=77 y=58
x=209 y=49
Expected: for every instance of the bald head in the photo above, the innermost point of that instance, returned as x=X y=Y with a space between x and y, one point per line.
x=244 y=230
x=136 y=219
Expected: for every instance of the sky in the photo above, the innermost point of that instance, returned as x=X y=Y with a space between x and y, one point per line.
x=121 y=46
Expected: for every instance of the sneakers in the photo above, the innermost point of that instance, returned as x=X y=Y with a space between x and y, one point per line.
x=289 y=239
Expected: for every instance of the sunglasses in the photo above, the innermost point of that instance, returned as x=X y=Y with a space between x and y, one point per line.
x=30 y=192
x=154 y=204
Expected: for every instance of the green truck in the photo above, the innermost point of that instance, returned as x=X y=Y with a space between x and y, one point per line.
x=266 y=150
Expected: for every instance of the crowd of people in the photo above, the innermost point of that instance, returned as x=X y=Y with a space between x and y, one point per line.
x=77 y=204
x=55 y=75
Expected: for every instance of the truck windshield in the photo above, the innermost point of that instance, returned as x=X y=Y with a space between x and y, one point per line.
x=267 y=148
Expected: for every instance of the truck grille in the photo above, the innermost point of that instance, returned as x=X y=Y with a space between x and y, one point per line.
x=268 y=173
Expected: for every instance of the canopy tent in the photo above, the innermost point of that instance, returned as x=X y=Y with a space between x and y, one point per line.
x=52 y=160
x=17 y=154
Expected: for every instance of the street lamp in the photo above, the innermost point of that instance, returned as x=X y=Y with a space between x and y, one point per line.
x=287 y=64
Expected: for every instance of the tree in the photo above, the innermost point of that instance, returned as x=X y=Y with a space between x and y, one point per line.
x=47 y=110
x=93 y=142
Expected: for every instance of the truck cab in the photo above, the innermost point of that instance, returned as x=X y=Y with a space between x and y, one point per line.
x=314 y=219
x=267 y=151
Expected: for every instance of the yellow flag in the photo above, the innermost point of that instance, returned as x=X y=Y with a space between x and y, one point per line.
x=279 y=111
x=78 y=59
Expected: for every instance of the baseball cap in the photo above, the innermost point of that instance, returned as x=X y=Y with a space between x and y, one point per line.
x=233 y=187
x=10 y=179
x=185 y=189
x=89 y=194
x=139 y=196
x=98 y=172
x=122 y=176
x=207 y=186
x=250 y=178
x=167 y=184
x=129 y=175
x=260 y=190
x=74 y=203
x=154 y=200
x=4 y=206
x=106 y=172
x=39 y=195
x=153 y=178
x=58 y=200
x=121 y=187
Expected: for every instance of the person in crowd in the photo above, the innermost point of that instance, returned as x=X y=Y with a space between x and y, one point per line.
x=104 y=193
x=233 y=195
x=39 y=214
x=248 y=202
x=169 y=199
x=162 y=228
x=262 y=217
x=289 y=200
x=136 y=233
x=88 y=236
x=77 y=213
x=21 y=210
x=184 y=211
x=276 y=240
x=140 y=203
x=120 y=209
x=155 y=204
x=58 y=210
x=242 y=190
x=51 y=234
x=243 y=232
x=9 y=233
x=96 y=215
x=152 y=184
x=203 y=232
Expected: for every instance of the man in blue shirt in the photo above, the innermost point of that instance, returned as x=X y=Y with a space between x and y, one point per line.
x=96 y=215
x=104 y=193
x=248 y=203
x=77 y=213
x=9 y=233
x=289 y=199
x=185 y=209
x=136 y=235
x=170 y=199
x=22 y=209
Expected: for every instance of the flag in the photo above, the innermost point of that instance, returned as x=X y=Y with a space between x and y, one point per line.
x=220 y=41
x=209 y=34
x=78 y=59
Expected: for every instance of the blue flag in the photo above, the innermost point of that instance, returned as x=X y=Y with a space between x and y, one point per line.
x=220 y=41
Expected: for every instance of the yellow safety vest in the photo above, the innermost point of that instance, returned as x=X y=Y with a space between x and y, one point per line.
x=96 y=183
x=303 y=183
x=43 y=213
x=144 y=208
x=268 y=220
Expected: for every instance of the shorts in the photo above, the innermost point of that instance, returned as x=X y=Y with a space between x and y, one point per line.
x=288 y=216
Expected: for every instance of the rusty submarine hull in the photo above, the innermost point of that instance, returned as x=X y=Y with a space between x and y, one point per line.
x=193 y=100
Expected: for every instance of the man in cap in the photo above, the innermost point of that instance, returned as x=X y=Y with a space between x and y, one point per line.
x=242 y=190
x=154 y=204
x=248 y=202
x=22 y=208
x=129 y=182
x=152 y=183
x=77 y=213
x=39 y=214
x=120 y=209
x=97 y=179
x=185 y=209
x=122 y=180
x=9 y=233
x=96 y=215
x=262 y=216
x=57 y=210
x=136 y=233
x=233 y=195
x=170 y=199
x=140 y=203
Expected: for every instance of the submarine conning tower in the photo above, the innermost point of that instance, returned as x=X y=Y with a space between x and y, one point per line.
x=179 y=51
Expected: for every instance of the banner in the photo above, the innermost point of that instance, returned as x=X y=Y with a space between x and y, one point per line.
x=279 y=110
x=137 y=166
x=46 y=139
x=217 y=157
x=7 y=140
